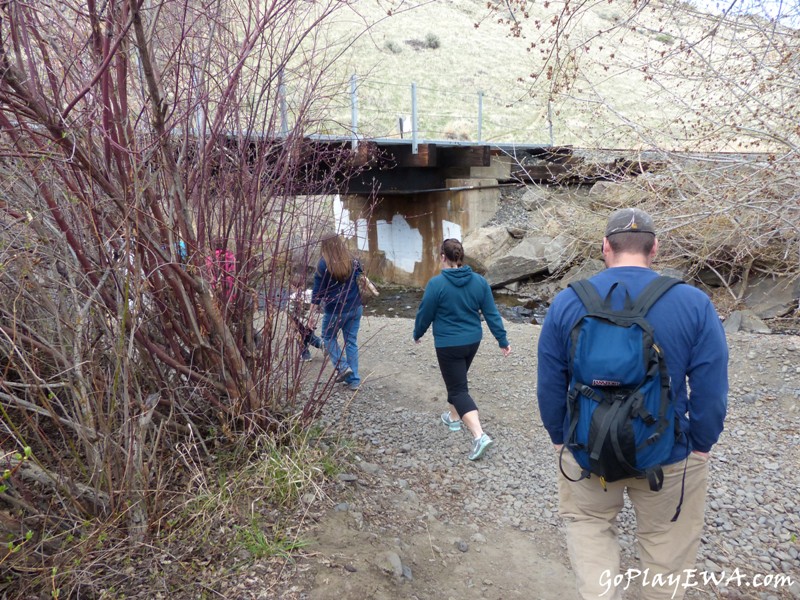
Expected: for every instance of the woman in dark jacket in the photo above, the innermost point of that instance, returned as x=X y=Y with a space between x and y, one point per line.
x=453 y=302
x=336 y=289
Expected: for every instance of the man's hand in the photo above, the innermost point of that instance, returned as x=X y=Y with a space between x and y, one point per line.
x=506 y=350
x=703 y=455
x=557 y=447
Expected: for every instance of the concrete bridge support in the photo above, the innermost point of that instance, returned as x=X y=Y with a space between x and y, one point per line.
x=401 y=234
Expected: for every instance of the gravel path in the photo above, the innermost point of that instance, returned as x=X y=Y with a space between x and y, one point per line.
x=429 y=523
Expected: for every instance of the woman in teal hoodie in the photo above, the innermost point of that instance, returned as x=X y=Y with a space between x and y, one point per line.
x=453 y=302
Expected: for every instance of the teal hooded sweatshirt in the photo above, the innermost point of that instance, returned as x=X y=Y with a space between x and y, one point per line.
x=453 y=301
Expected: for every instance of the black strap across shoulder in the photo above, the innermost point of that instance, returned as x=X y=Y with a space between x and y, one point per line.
x=590 y=297
x=654 y=290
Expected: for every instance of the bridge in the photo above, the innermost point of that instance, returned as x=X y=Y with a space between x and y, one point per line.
x=410 y=193
x=404 y=203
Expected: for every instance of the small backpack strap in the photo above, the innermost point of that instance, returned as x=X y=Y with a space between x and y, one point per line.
x=585 y=474
x=654 y=290
x=588 y=295
x=601 y=307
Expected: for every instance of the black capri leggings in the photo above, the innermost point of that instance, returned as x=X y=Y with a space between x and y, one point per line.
x=454 y=362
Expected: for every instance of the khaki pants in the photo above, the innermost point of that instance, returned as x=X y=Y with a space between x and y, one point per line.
x=665 y=548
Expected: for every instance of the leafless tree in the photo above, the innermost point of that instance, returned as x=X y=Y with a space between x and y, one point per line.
x=712 y=97
x=158 y=187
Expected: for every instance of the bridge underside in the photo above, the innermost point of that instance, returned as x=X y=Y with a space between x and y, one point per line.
x=392 y=167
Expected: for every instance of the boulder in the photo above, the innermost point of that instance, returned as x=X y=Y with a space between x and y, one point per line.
x=745 y=320
x=587 y=268
x=676 y=273
x=475 y=265
x=772 y=297
x=710 y=277
x=487 y=244
x=532 y=256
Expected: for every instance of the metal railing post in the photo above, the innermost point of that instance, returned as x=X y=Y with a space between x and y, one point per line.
x=414 y=142
x=353 y=111
x=282 y=104
x=480 y=116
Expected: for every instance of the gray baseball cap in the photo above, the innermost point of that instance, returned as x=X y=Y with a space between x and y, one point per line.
x=630 y=220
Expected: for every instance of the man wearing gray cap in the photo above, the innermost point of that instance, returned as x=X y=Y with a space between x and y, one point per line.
x=688 y=332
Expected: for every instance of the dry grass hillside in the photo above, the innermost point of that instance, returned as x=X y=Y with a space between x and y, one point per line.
x=610 y=74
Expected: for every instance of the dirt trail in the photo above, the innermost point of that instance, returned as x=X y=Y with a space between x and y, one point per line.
x=409 y=526
x=413 y=518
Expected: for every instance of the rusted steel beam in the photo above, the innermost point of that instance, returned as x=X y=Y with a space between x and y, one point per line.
x=426 y=156
x=366 y=153
x=465 y=156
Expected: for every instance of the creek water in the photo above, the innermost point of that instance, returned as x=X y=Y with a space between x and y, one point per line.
x=403 y=302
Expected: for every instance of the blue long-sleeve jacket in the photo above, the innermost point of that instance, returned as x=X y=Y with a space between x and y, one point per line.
x=453 y=301
x=688 y=330
x=336 y=297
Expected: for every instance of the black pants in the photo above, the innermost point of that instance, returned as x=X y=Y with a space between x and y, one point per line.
x=454 y=362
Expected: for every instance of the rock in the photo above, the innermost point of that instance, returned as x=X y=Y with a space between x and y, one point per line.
x=753 y=324
x=676 y=273
x=392 y=563
x=532 y=256
x=488 y=244
x=533 y=198
x=745 y=320
x=370 y=468
x=609 y=195
x=587 y=268
x=733 y=323
x=709 y=278
x=769 y=297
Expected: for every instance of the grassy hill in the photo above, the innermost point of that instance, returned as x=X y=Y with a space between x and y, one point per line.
x=605 y=74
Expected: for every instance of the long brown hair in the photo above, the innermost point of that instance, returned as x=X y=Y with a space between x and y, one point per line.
x=337 y=257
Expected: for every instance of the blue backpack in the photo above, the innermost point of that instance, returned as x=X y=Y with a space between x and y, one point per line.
x=621 y=417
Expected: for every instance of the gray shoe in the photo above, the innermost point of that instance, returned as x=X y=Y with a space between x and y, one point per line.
x=448 y=420
x=348 y=372
x=480 y=446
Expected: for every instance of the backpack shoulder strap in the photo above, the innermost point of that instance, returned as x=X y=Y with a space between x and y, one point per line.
x=654 y=290
x=588 y=295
